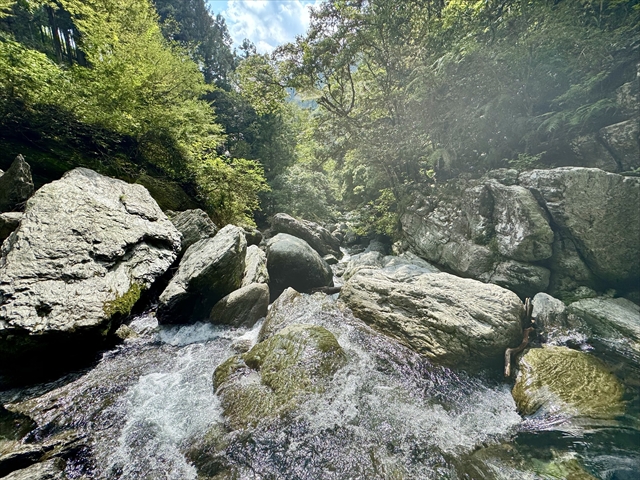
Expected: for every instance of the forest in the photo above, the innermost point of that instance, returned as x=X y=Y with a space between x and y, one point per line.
x=377 y=99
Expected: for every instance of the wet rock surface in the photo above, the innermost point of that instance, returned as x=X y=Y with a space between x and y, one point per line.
x=271 y=378
x=570 y=380
x=209 y=270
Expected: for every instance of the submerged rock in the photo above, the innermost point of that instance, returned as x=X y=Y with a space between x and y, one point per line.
x=575 y=382
x=209 y=270
x=451 y=320
x=16 y=185
x=85 y=249
x=194 y=225
x=319 y=238
x=272 y=378
x=255 y=270
x=243 y=307
x=293 y=263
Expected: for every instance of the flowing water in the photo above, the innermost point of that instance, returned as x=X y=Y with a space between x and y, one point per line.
x=388 y=414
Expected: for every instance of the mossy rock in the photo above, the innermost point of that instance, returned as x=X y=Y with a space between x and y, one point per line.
x=576 y=381
x=169 y=195
x=123 y=304
x=271 y=378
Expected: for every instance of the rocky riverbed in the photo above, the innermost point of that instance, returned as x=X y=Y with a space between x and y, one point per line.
x=177 y=349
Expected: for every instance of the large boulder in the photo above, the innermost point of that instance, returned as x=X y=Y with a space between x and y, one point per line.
x=255 y=270
x=293 y=263
x=209 y=270
x=483 y=230
x=612 y=322
x=272 y=378
x=86 y=247
x=8 y=223
x=16 y=185
x=545 y=230
x=453 y=321
x=622 y=140
x=319 y=238
x=573 y=382
x=243 y=307
x=521 y=227
x=194 y=225
x=599 y=212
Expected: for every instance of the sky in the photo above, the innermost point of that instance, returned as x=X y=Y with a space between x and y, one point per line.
x=267 y=23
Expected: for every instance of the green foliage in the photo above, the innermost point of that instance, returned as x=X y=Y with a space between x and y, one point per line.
x=526 y=162
x=302 y=193
x=228 y=187
x=134 y=105
x=408 y=89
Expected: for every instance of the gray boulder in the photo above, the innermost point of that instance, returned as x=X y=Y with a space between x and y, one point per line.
x=255 y=270
x=253 y=235
x=521 y=277
x=453 y=321
x=599 y=212
x=319 y=238
x=622 y=141
x=242 y=308
x=209 y=270
x=293 y=263
x=16 y=185
x=521 y=226
x=613 y=322
x=194 y=225
x=554 y=324
x=8 y=223
x=85 y=249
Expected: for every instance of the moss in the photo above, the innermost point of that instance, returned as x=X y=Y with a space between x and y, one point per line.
x=122 y=305
x=574 y=379
x=271 y=378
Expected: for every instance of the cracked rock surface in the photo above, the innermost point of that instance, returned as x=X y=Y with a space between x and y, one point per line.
x=83 y=243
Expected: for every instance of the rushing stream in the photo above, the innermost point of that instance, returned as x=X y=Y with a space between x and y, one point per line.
x=388 y=414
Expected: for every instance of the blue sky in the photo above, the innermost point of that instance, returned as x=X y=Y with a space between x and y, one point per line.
x=267 y=23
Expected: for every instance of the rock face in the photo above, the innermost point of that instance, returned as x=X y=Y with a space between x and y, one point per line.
x=573 y=381
x=599 y=212
x=86 y=247
x=194 y=225
x=544 y=230
x=255 y=270
x=293 y=263
x=271 y=378
x=319 y=238
x=16 y=185
x=454 y=321
x=244 y=307
x=8 y=223
x=614 y=322
x=209 y=270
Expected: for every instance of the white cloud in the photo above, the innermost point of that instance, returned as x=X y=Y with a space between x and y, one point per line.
x=267 y=23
